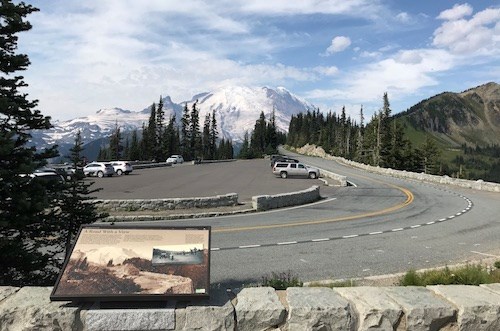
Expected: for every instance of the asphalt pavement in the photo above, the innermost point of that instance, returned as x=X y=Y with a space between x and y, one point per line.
x=245 y=177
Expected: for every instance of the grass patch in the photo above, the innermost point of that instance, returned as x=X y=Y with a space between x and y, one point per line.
x=333 y=284
x=468 y=275
x=281 y=280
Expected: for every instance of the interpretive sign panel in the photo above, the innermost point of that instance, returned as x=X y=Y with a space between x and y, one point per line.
x=122 y=263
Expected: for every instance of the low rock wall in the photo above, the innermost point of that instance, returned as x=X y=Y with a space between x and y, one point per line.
x=266 y=202
x=452 y=307
x=342 y=180
x=230 y=199
x=472 y=184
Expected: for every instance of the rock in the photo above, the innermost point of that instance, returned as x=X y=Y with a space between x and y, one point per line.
x=492 y=287
x=375 y=309
x=478 y=308
x=317 y=309
x=30 y=309
x=422 y=309
x=214 y=314
x=6 y=291
x=259 y=308
x=129 y=319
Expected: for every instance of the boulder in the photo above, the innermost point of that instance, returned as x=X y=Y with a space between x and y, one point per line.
x=259 y=308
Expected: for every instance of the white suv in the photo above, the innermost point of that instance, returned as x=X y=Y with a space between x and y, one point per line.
x=121 y=167
x=285 y=169
x=174 y=159
x=99 y=169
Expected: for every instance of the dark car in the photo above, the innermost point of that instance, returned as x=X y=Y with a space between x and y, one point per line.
x=282 y=158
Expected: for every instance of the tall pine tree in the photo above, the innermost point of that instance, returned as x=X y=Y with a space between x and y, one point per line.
x=22 y=199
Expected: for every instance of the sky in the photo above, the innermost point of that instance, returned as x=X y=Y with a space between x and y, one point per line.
x=93 y=54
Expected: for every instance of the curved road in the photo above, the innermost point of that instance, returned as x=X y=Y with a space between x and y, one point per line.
x=379 y=226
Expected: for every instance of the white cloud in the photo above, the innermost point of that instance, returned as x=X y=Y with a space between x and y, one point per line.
x=479 y=35
x=327 y=71
x=339 y=44
x=400 y=75
x=455 y=13
x=403 y=17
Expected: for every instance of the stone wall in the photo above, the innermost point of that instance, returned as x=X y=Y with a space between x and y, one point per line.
x=472 y=184
x=342 y=180
x=452 y=307
x=266 y=202
x=230 y=199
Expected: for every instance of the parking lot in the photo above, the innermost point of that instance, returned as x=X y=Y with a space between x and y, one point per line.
x=245 y=177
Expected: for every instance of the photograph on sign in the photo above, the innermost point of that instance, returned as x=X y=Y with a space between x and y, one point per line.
x=109 y=263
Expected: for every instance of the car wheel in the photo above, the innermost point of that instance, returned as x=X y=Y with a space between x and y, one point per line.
x=119 y=172
x=100 y=174
x=312 y=175
x=283 y=174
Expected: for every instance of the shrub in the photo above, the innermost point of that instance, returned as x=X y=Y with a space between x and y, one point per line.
x=468 y=275
x=497 y=264
x=281 y=281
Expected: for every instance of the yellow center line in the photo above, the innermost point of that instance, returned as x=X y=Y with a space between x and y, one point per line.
x=408 y=201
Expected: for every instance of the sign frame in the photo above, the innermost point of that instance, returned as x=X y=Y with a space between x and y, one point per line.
x=178 y=267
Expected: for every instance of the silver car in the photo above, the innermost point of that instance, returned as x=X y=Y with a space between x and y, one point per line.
x=99 y=169
x=286 y=169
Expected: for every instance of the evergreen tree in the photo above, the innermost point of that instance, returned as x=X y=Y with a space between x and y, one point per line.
x=213 y=137
x=195 y=145
x=258 y=140
x=160 y=144
x=115 y=144
x=22 y=199
x=185 y=135
x=245 y=151
x=134 y=150
x=206 y=138
x=149 y=136
x=171 y=137
x=75 y=207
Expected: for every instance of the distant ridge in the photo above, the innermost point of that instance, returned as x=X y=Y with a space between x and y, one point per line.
x=470 y=117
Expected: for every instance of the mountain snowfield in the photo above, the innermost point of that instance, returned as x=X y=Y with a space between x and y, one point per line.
x=236 y=110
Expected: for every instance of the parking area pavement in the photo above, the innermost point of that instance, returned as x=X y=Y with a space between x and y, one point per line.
x=245 y=177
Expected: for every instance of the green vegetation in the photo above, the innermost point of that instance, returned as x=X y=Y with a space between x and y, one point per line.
x=281 y=280
x=468 y=275
x=381 y=142
x=264 y=139
x=162 y=138
x=38 y=217
x=333 y=284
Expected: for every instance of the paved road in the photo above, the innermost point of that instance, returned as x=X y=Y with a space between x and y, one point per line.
x=382 y=225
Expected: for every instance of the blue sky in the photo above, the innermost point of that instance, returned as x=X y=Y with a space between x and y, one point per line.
x=94 y=54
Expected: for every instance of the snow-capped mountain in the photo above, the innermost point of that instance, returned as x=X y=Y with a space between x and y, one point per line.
x=236 y=110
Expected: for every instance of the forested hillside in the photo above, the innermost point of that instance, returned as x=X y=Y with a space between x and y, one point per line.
x=454 y=134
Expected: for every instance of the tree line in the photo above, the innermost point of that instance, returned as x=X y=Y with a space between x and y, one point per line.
x=264 y=138
x=162 y=137
x=38 y=217
x=381 y=142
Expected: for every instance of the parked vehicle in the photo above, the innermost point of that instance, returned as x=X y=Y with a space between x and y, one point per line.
x=174 y=159
x=282 y=158
x=289 y=169
x=47 y=175
x=122 y=167
x=99 y=169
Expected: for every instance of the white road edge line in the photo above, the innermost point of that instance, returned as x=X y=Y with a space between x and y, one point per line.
x=485 y=254
x=215 y=249
x=287 y=243
x=415 y=226
x=376 y=232
x=249 y=246
x=322 y=239
x=398 y=229
x=350 y=236
x=431 y=222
